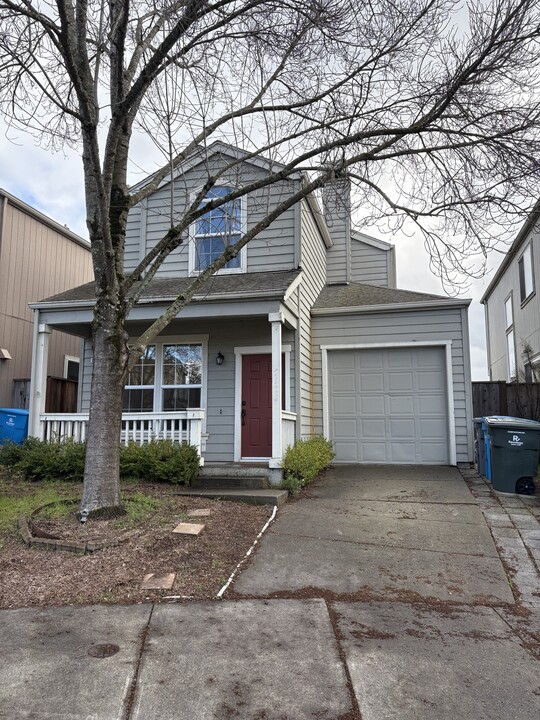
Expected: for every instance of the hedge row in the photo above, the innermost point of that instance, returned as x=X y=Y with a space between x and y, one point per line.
x=304 y=460
x=156 y=461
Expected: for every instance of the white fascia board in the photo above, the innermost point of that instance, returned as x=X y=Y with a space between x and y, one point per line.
x=369 y=240
x=392 y=307
x=528 y=226
x=199 y=155
x=318 y=216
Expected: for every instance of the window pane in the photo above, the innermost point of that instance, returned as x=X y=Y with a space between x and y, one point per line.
x=138 y=400
x=511 y=355
x=181 y=398
x=509 y=319
x=144 y=372
x=526 y=278
x=182 y=364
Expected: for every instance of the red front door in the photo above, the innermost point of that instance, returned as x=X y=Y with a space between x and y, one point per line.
x=256 y=406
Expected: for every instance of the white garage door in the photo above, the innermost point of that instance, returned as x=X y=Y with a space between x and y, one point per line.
x=388 y=405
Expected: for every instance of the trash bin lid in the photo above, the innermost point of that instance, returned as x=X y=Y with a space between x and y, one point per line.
x=14 y=411
x=506 y=421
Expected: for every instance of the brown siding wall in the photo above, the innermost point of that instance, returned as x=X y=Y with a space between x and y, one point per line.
x=36 y=261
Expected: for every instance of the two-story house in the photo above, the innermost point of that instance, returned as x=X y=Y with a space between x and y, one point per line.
x=304 y=333
x=512 y=308
x=38 y=257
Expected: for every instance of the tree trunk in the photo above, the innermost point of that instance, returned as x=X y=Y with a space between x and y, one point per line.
x=101 y=489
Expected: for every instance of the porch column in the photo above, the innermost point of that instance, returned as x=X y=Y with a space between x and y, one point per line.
x=276 y=319
x=38 y=382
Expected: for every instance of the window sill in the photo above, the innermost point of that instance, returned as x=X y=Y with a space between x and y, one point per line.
x=528 y=299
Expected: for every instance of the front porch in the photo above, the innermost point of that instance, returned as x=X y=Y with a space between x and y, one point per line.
x=194 y=383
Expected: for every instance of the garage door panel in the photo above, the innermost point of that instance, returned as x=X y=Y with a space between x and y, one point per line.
x=429 y=380
x=346 y=428
x=345 y=405
x=372 y=428
x=347 y=452
x=373 y=452
x=401 y=429
x=369 y=382
x=402 y=452
x=432 y=428
x=374 y=360
x=399 y=358
x=400 y=381
x=392 y=408
x=430 y=405
x=401 y=405
x=346 y=383
x=372 y=405
x=433 y=452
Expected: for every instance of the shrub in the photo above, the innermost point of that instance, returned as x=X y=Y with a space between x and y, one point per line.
x=304 y=460
x=37 y=460
x=159 y=460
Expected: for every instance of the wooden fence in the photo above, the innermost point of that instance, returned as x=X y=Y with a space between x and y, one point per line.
x=500 y=398
x=61 y=395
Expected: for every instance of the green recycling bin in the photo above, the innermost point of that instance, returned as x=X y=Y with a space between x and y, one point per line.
x=513 y=447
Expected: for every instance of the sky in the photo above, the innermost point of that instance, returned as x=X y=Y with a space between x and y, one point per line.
x=53 y=183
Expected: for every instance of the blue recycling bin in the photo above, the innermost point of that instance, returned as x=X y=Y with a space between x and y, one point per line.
x=13 y=425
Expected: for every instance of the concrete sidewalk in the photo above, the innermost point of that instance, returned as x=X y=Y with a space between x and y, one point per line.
x=392 y=602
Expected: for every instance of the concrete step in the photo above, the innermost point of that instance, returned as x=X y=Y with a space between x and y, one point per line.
x=268 y=496
x=230 y=482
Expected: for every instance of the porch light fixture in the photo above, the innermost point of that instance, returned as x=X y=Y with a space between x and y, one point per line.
x=219 y=359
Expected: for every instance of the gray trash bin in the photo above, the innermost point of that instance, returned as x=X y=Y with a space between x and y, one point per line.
x=513 y=453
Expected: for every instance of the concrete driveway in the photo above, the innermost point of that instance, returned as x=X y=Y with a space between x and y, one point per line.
x=381 y=597
x=382 y=532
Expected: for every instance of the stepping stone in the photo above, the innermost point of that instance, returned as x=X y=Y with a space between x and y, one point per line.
x=158 y=582
x=204 y=512
x=188 y=529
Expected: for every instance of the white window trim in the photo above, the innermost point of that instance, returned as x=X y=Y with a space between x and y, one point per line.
x=192 y=255
x=255 y=350
x=527 y=252
x=68 y=359
x=446 y=344
x=159 y=342
x=510 y=330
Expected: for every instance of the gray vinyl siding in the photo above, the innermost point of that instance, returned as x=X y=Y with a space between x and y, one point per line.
x=272 y=249
x=85 y=376
x=313 y=263
x=399 y=327
x=223 y=337
x=526 y=316
x=370 y=264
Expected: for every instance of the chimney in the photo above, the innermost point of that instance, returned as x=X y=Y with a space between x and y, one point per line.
x=337 y=213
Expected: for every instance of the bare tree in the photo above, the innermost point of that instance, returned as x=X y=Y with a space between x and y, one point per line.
x=430 y=107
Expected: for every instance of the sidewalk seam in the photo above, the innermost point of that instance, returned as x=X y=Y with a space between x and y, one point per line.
x=130 y=696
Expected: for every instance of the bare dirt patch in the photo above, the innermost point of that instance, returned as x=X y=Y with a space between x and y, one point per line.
x=39 y=577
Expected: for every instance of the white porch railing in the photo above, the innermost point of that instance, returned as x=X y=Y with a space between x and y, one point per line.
x=288 y=429
x=184 y=426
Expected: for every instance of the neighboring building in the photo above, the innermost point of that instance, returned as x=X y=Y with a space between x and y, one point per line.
x=38 y=257
x=512 y=308
x=304 y=333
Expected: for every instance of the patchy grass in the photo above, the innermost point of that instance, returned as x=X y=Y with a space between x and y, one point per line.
x=41 y=577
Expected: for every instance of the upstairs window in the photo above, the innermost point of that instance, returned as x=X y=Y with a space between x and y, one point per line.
x=510 y=339
x=216 y=230
x=526 y=276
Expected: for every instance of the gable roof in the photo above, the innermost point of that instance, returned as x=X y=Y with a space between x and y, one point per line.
x=216 y=288
x=360 y=297
x=369 y=240
x=528 y=225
